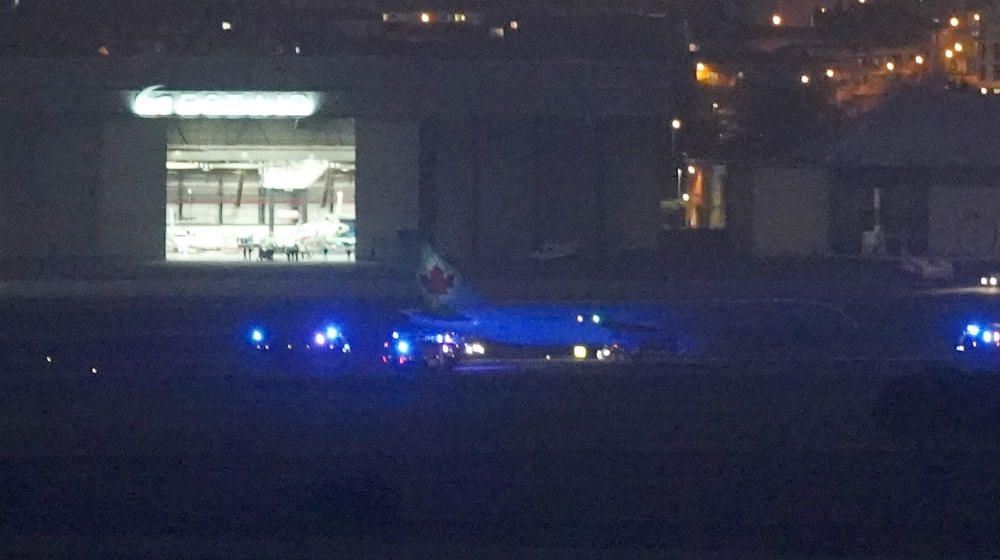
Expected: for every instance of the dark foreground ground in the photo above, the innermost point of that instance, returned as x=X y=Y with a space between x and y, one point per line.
x=175 y=453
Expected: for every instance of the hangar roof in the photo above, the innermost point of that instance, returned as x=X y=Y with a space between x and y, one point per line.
x=926 y=127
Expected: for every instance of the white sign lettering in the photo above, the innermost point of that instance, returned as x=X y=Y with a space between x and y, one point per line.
x=156 y=102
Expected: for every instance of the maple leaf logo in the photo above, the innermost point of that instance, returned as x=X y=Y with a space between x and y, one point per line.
x=436 y=282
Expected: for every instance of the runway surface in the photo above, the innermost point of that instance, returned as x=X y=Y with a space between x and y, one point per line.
x=183 y=448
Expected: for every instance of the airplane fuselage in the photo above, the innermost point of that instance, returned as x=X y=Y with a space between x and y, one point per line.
x=529 y=325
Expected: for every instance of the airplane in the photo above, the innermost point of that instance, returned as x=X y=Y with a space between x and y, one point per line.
x=583 y=331
x=184 y=241
x=679 y=329
x=332 y=232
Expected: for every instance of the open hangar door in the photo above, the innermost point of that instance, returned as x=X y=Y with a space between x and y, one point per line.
x=260 y=191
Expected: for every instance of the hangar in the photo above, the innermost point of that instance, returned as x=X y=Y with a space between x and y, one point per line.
x=153 y=158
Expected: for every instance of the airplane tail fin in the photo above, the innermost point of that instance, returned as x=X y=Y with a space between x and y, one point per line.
x=441 y=285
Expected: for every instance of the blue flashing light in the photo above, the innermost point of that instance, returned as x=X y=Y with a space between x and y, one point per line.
x=973 y=330
x=332 y=332
x=319 y=339
x=257 y=335
x=596 y=319
x=403 y=347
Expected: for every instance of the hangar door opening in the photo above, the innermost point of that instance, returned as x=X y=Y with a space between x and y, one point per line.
x=260 y=191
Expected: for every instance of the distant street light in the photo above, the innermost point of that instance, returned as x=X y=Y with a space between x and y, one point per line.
x=675 y=129
x=948 y=53
x=804 y=79
x=890 y=66
x=977 y=17
x=776 y=20
x=953 y=21
x=425 y=17
x=830 y=73
x=958 y=47
x=918 y=59
x=700 y=67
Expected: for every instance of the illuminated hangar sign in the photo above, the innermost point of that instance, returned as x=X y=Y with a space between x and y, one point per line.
x=157 y=102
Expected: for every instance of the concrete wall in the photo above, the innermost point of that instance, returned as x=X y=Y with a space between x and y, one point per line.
x=964 y=221
x=75 y=188
x=789 y=207
x=130 y=206
x=571 y=183
x=635 y=180
x=480 y=193
x=387 y=184
x=448 y=196
x=50 y=184
x=16 y=185
x=499 y=189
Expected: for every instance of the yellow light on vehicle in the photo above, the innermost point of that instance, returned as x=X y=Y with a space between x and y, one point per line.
x=580 y=352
